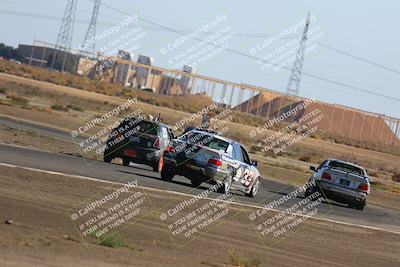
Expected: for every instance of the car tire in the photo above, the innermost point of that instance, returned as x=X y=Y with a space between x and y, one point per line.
x=195 y=182
x=226 y=184
x=108 y=158
x=158 y=166
x=254 y=189
x=167 y=175
x=308 y=192
x=359 y=205
x=125 y=162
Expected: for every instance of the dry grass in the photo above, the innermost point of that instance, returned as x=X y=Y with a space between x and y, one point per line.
x=84 y=104
x=237 y=259
x=186 y=104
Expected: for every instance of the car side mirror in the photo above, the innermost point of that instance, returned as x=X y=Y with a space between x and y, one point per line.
x=254 y=163
x=313 y=168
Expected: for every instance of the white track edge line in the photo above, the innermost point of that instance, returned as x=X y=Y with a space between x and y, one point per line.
x=189 y=195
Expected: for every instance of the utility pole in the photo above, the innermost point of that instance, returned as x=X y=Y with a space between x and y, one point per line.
x=89 y=41
x=64 y=37
x=293 y=86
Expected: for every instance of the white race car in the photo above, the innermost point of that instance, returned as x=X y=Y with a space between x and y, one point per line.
x=341 y=181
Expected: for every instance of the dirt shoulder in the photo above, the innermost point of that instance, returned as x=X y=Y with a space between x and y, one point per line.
x=277 y=172
x=42 y=233
x=86 y=105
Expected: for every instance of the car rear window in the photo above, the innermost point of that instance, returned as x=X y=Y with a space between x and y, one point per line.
x=196 y=138
x=141 y=126
x=345 y=167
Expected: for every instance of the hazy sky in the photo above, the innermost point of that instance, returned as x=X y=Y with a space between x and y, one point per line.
x=368 y=29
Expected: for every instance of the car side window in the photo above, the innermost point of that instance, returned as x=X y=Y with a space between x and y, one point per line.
x=230 y=151
x=246 y=158
x=164 y=132
x=238 y=152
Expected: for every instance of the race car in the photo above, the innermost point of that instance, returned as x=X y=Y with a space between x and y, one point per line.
x=140 y=141
x=203 y=156
x=340 y=181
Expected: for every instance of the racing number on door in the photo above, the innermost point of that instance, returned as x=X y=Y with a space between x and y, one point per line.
x=247 y=178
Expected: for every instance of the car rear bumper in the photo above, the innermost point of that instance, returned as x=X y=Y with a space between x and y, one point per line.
x=339 y=193
x=138 y=154
x=191 y=170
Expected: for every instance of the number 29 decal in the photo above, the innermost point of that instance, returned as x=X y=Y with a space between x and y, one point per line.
x=247 y=178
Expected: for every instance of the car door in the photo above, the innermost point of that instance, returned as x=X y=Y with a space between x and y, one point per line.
x=240 y=165
x=250 y=171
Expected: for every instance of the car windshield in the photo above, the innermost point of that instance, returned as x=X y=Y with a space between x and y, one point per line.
x=346 y=167
x=204 y=139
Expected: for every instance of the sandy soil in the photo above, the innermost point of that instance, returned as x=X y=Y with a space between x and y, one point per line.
x=42 y=234
x=42 y=95
x=281 y=168
x=29 y=139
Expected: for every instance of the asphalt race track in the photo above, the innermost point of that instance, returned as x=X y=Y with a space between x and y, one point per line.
x=371 y=216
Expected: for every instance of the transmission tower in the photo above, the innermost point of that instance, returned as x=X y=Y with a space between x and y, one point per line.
x=89 y=41
x=293 y=86
x=64 y=38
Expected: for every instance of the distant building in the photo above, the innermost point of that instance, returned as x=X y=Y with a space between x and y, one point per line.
x=122 y=72
x=49 y=57
x=142 y=74
x=186 y=80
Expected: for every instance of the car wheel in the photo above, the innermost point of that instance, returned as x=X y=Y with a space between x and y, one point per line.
x=108 y=158
x=359 y=205
x=254 y=189
x=308 y=192
x=167 y=175
x=158 y=166
x=195 y=182
x=126 y=162
x=226 y=185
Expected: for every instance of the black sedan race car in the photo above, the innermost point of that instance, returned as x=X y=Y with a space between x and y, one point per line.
x=140 y=141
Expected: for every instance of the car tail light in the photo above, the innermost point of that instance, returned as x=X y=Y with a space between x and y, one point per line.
x=215 y=162
x=130 y=153
x=363 y=187
x=326 y=176
x=157 y=143
x=170 y=149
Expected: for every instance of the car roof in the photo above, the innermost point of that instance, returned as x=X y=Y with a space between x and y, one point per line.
x=212 y=134
x=147 y=120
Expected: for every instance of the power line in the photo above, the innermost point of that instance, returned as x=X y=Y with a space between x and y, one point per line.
x=359 y=58
x=91 y=32
x=317 y=77
x=254 y=58
x=65 y=34
x=243 y=35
